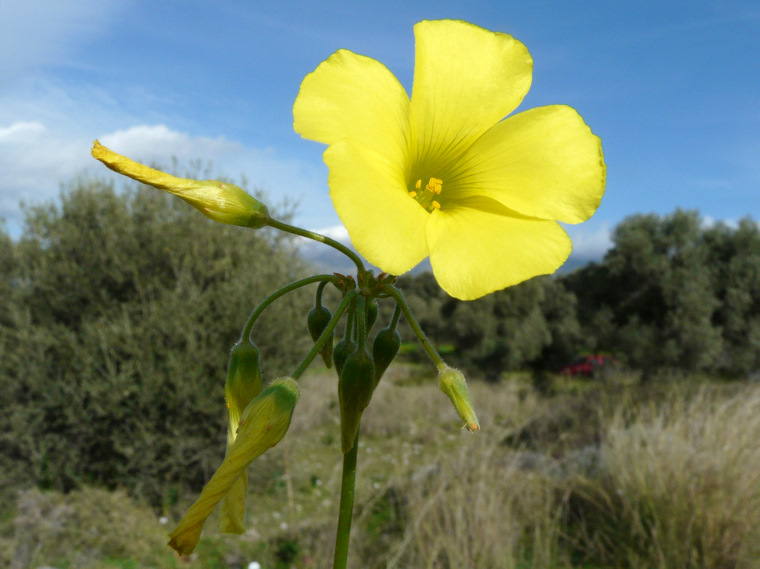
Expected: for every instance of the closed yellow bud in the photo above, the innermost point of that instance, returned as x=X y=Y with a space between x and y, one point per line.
x=263 y=424
x=452 y=383
x=243 y=384
x=222 y=202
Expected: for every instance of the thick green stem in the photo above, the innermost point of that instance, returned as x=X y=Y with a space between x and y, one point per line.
x=277 y=294
x=426 y=345
x=320 y=238
x=347 y=490
x=326 y=333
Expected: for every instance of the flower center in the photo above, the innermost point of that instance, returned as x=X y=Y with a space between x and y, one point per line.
x=426 y=196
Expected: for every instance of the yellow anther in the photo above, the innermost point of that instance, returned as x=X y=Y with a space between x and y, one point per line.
x=425 y=196
x=434 y=185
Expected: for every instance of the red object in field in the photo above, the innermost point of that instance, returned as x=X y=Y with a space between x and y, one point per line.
x=589 y=366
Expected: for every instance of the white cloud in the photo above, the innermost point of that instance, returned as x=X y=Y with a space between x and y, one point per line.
x=21 y=129
x=280 y=177
x=35 y=158
x=338 y=232
x=590 y=242
x=709 y=221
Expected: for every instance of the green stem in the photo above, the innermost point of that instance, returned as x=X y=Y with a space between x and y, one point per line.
x=318 y=299
x=361 y=322
x=322 y=239
x=277 y=294
x=345 y=514
x=426 y=345
x=326 y=333
x=395 y=317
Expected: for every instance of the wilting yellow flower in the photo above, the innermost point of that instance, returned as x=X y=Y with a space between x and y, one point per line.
x=263 y=424
x=452 y=383
x=222 y=202
x=442 y=175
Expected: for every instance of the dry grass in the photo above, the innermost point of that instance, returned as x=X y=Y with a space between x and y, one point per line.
x=480 y=508
x=580 y=479
x=679 y=485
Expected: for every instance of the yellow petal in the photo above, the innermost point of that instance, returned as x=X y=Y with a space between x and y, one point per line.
x=356 y=97
x=385 y=225
x=465 y=80
x=232 y=508
x=544 y=163
x=474 y=252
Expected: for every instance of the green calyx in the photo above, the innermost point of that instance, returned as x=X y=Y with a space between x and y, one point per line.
x=384 y=350
x=355 y=387
x=370 y=313
x=318 y=319
x=243 y=381
x=341 y=352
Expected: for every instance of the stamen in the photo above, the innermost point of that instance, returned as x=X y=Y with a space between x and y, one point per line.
x=425 y=197
x=435 y=185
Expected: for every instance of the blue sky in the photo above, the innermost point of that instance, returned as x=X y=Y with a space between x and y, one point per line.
x=672 y=88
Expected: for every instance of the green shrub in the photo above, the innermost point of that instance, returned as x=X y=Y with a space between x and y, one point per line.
x=125 y=306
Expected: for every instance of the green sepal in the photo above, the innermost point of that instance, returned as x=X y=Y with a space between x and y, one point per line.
x=243 y=381
x=370 y=312
x=355 y=387
x=341 y=353
x=384 y=350
x=318 y=319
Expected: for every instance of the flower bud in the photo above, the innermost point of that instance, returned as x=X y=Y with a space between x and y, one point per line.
x=355 y=387
x=318 y=319
x=222 y=202
x=384 y=350
x=262 y=425
x=243 y=384
x=452 y=383
x=370 y=312
x=341 y=352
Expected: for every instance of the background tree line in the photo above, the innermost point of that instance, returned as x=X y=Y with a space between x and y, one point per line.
x=117 y=311
x=672 y=292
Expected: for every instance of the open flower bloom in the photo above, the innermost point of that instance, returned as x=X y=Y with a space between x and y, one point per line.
x=441 y=174
x=220 y=201
x=263 y=424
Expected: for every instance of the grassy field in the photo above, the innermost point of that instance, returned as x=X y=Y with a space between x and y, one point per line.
x=582 y=475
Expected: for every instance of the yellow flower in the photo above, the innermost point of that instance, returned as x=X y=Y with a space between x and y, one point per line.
x=263 y=424
x=222 y=202
x=442 y=175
